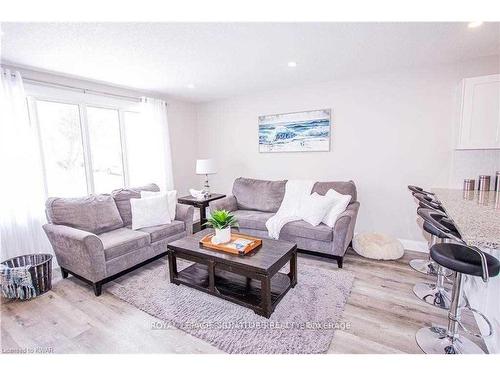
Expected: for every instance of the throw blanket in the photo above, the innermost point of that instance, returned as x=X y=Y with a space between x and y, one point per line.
x=295 y=192
x=16 y=282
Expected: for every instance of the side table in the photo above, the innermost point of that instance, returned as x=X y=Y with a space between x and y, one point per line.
x=202 y=204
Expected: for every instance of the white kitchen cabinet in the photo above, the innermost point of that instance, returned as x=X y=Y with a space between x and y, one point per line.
x=480 y=113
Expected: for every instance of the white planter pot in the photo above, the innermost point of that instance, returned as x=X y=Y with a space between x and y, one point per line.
x=223 y=235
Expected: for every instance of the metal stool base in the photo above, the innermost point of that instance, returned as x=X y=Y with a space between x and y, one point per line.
x=427 y=267
x=433 y=296
x=424 y=266
x=433 y=340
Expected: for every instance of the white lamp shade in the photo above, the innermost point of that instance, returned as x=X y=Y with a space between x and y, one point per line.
x=205 y=166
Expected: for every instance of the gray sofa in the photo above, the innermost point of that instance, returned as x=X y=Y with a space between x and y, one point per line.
x=253 y=202
x=93 y=240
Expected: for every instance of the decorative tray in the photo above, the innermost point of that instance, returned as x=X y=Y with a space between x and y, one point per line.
x=240 y=244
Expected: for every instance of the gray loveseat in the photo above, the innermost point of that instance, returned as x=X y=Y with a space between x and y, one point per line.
x=253 y=202
x=93 y=240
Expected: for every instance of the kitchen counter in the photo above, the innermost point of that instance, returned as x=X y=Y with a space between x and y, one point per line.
x=475 y=213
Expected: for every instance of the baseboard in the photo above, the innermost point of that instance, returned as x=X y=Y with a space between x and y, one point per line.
x=413 y=245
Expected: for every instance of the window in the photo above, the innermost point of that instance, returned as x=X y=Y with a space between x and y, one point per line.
x=62 y=148
x=105 y=149
x=83 y=143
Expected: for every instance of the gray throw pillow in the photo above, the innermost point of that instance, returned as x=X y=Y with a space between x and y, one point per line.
x=95 y=213
x=259 y=195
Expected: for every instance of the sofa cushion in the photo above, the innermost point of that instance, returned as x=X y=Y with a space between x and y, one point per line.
x=122 y=198
x=256 y=220
x=302 y=229
x=121 y=241
x=258 y=195
x=342 y=187
x=252 y=219
x=95 y=213
x=160 y=232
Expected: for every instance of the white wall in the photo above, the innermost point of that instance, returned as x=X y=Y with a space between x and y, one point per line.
x=389 y=130
x=471 y=164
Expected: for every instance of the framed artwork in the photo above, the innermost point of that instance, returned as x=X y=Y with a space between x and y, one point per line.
x=295 y=132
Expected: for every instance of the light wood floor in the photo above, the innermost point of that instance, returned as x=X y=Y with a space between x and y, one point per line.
x=382 y=310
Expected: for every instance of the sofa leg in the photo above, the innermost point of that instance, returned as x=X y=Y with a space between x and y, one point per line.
x=97 y=288
x=340 y=262
x=64 y=273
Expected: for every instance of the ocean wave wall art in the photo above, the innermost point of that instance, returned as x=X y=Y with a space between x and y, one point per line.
x=295 y=132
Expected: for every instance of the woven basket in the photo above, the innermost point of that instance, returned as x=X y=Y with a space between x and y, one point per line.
x=40 y=270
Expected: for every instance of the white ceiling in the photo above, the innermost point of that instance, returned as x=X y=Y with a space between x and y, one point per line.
x=226 y=59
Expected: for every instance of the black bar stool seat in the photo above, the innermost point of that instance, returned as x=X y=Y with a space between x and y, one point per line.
x=460 y=259
x=429 y=228
x=418 y=189
x=426 y=201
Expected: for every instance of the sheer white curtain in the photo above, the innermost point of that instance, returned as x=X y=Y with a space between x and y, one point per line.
x=22 y=193
x=151 y=143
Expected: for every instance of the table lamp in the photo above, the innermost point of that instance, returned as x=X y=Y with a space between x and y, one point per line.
x=206 y=167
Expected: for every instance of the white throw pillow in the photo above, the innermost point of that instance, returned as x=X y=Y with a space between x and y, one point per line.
x=148 y=212
x=171 y=197
x=339 y=206
x=315 y=207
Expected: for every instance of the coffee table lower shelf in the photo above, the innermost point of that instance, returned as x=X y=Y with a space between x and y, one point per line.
x=246 y=291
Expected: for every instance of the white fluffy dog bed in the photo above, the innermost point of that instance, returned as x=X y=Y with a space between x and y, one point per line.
x=377 y=246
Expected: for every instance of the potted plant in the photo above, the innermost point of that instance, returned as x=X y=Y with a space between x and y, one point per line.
x=222 y=221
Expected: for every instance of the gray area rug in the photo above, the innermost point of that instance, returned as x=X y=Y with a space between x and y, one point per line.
x=304 y=321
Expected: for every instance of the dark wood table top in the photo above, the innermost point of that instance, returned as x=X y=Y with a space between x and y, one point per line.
x=262 y=259
x=189 y=199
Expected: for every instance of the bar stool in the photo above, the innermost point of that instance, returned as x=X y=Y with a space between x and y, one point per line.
x=418 y=189
x=427 y=201
x=437 y=294
x=463 y=260
x=427 y=266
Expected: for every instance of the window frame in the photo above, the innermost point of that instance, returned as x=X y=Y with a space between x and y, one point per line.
x=82 y=100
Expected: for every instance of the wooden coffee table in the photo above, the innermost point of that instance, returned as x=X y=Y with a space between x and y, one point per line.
x=251 y=280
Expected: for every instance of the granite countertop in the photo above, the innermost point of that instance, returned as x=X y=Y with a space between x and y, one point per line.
x=475 y=213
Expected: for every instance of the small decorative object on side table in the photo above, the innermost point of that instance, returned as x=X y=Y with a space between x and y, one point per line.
x=202 y=204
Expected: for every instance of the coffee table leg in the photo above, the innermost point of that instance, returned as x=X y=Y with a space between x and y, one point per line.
x=172 y=265
x=265 y=290
x=293 y=270
x=211 y=276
